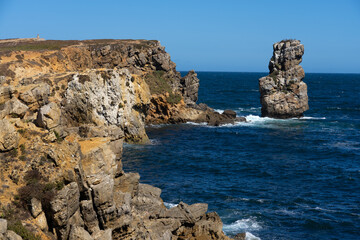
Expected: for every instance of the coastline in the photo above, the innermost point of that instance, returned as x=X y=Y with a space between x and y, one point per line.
x=70 y=105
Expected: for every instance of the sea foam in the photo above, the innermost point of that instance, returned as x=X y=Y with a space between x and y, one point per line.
x=242 y=225
x=170 y=205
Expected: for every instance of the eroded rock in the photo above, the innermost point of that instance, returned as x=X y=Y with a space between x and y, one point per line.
x=35 y=207
x=190 y=87
x=14 y=108
x=283 y=94
x=3 y=226
x=64 y=207
x=9 y=137
x=49 y=116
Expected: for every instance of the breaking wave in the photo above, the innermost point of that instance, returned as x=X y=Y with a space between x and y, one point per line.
x=170 y=205
x=242 y=225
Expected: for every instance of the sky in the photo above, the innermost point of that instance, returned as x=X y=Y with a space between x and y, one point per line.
x=227 y=35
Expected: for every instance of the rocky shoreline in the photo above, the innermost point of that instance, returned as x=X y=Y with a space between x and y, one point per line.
x=66 y=107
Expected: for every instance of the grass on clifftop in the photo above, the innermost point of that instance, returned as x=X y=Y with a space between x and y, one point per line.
x=36 y=45
x=159 y=83
x=58 y=44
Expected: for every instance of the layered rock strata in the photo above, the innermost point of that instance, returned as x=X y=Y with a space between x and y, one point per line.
x=283 y=94
x=64 y=115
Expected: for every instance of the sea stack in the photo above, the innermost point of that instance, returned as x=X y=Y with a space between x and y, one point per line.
x=283 y=94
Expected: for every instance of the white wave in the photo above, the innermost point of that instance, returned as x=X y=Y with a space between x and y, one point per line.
x=219 y=110
x=286 y=212
x=253 y=120
x=154 y=142
x=324 y=210
x=315 y=118
x=170 y=205
x=242 y=225
x=251 y=109
x=197 y=124
x=250 y=236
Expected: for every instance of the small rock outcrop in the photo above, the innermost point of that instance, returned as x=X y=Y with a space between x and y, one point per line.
x=190 y=87
x=283 y=94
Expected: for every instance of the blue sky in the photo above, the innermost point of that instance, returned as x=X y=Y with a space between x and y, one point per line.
x=202 y=35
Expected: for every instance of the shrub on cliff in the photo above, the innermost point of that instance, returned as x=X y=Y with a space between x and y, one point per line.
x=158 y=82
x=37 y=187
x=173 y=98
x=23 y=232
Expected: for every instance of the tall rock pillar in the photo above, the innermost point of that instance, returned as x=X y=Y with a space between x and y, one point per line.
x=283 y=94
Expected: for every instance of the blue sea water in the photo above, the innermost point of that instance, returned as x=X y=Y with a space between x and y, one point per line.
x=275 y=179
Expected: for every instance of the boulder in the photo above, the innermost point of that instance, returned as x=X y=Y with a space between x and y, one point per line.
x=10 y=235
x=103 y=235
x=35 y=207
x=283 y=94
x=41 y=221
x=49 y=116
x=148 y=199
x=3 y=226
x=13 y=107
x=240 y=236
x=79 y=233
x=6 y=94
x=229 y=113
x=9 y=137
x=38 y=94
x=186 y=213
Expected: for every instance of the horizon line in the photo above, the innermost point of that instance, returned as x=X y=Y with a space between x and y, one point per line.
x=219 y=71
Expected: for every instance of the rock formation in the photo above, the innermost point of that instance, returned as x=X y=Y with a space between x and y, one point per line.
x=64 y=115
x=283 y=94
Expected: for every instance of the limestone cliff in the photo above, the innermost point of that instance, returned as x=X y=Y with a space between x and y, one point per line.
x=66 y=107
x=283 y=93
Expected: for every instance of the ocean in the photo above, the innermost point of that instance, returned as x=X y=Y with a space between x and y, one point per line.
x=274 y=179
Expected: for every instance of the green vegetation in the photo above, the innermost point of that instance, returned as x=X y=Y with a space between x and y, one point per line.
x=7 y=213
x=158 y=82
x=274 y=74
x=37 y=187
x=173 y=98
x=58 y=137
x=14 y=152
x=22 y=148
x=23 y=232
x=36 y=45
x=14 y=216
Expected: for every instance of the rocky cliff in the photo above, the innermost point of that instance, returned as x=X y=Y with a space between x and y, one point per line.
x=66 y=107
x=283 y=94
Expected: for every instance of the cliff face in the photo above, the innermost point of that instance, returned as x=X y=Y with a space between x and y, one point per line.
x=125 y=67
x=283 y=93
x=66 y=107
